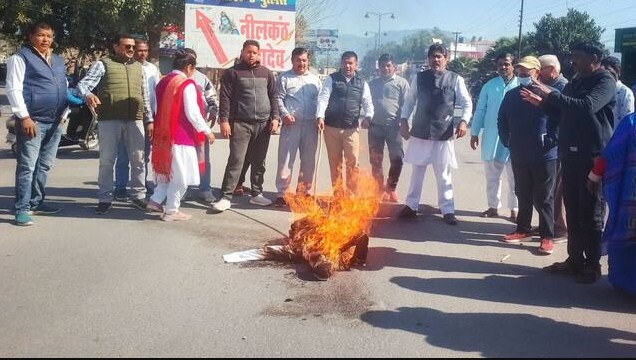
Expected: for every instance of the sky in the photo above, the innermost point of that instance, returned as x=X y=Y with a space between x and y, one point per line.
x=490 y=19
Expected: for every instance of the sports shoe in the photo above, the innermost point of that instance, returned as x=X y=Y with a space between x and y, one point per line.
x=516 y=237
x=450 y=219
x=546 y=247
x=220 y=206
x=44 y=209
x=178 y=216
x=207 y=197
x=407 y=213
x=280 y=202
x=154 y=207
x=260 y=200
x=490 y=213
x=140 y=204
x=121 y=194
x=23 y=219
x=103 y=208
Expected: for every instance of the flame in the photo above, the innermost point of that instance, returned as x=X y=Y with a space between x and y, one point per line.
x=338 y=219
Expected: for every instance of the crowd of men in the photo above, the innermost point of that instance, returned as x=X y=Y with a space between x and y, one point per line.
x=545 y=133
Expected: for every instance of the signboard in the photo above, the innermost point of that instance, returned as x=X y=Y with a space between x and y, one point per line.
x=172 y=39
x=322 y=41
x=216 y=30
x=625 y=40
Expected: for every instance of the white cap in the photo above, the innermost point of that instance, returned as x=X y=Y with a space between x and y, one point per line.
x=550 y=60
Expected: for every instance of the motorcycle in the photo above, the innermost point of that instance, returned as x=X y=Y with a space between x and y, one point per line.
x=79 y=123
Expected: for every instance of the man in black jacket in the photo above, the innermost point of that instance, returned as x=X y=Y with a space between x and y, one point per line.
x=586 y=107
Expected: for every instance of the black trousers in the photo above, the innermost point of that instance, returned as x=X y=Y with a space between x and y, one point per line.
x=389 y=135
x=585 y=214
x=248 y=143
x=534 y=185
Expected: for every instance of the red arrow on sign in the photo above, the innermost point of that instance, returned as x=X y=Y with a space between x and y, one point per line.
x=205 y=24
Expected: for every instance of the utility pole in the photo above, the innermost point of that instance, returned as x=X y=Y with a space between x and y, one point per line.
x=456 y=41
x=520 y=30
x=378 y=42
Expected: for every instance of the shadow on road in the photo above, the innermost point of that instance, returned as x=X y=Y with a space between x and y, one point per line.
x=506 y=335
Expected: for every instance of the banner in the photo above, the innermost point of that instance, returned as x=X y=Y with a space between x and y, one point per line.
x=322 y=41
x=172 y=39
x=216 y=30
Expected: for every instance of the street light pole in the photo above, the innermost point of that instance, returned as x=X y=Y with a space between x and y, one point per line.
x=378 y=41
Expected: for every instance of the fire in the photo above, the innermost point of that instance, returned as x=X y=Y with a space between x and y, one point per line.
x=328 y=225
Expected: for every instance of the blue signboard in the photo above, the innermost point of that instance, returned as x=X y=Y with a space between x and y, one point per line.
x=279 y=5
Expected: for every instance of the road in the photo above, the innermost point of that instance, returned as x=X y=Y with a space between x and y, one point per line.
x=128 y=285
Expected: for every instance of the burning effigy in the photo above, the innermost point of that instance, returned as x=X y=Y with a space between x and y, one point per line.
x=328 y=233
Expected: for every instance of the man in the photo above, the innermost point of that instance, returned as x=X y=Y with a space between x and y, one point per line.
x=434 y=95
x=531 y=135
x=344 y=94
x=121 y=83
x=624 y=95
x=248 y=115
x=122 y=167
x=550 y=75
x=496 y=157
x=36 y=88
x=388 y=92
x=297 y=98
x=586 y=107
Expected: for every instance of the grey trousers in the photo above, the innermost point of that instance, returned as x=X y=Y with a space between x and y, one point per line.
x=111 y=134
x=297 y=139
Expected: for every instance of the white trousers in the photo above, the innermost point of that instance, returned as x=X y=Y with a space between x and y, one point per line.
x=444 y=187
x=494 y=172
x=184 y=172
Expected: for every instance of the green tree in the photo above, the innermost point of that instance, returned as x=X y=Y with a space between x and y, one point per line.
x=466 y=67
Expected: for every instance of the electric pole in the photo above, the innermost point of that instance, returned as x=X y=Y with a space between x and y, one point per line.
x=520 y=30
x=456 y=41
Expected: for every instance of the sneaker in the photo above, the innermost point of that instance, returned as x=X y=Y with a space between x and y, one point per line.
x=23 y=219
x=280 y=202
x=140 y=204
x=44 y=209
x=154 y=207
x=260 y=200
x=407 y=213
x=103 y=208
x=490 y=213
x=516 y=237
x=589 y=275
x=450 y=219
x=546 y=247
x=178 y=216
x=207 y=197
x=121 y=194
x=513 y=216
x=392 y=197
x=220 y=206
x=563 y=268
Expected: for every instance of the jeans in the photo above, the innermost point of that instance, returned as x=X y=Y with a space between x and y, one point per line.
x=34 y=161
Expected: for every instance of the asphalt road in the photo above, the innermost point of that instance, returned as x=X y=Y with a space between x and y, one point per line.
x=129 y=285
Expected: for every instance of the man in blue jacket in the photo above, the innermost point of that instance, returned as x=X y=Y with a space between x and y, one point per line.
x=531 y=136
x=36 y=88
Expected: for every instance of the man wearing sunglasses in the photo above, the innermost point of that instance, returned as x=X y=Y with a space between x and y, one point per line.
x=117 y=86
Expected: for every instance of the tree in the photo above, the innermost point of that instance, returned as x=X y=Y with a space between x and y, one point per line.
x=464 y=66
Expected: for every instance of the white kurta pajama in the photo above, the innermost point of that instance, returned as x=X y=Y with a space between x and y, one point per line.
x=439 y=154
x=185 y=164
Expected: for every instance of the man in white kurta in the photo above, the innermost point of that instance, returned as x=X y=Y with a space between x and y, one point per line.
x=496 y=157
x=434 y=95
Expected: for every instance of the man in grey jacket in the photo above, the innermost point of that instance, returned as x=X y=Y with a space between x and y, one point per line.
x=298 y=91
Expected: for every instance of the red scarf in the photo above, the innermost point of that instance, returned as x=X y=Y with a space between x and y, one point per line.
x=169 y=110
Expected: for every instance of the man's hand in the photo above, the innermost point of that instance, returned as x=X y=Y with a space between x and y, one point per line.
x=212 y=120
x=366 y=122
x=405 y=131
x=289 y=120
x=150 y=130
x=320 y=124
x=593 y=187
x=474 y=142
x=28 y=127
x=273 y=126
x=211 y=137
x=92 y=100
x=462 y=130
x=531 y=97
x=541 y=88
x=226 y=129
